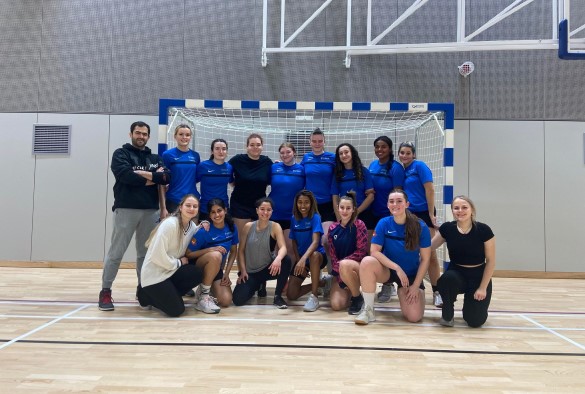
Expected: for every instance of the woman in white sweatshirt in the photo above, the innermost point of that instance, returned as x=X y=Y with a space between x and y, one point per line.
x=166 y=274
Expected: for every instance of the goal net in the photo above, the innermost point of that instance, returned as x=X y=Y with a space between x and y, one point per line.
x=357 y=127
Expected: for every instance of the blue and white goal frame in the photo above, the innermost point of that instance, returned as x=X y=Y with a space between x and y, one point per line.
x=565 y=34
x=448 y=110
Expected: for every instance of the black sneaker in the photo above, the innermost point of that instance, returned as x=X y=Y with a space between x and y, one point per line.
x=262 y=291
x=356 y=305
x=106 y=303
x=142 y=299
x=279 y=302
x=190 y=293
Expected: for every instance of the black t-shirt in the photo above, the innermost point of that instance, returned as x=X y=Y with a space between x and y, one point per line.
x=251 y=178
x=466 y=249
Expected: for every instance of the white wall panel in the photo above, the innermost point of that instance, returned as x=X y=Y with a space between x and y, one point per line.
x=506 y=181
x=70 y=193
x=16 y=196
x=565 y=196
x=461 y=158
x=119 y=135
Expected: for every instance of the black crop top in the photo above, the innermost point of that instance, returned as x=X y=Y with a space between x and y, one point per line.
x=466 y=249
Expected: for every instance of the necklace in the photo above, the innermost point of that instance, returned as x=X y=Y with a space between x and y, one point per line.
x=467 y=230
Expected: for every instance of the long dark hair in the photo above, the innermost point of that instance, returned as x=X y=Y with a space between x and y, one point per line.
x=220 y=203
x=309 y=194
x=356 y=163
x=412 y=228
x=213 y=146
x=388 y=142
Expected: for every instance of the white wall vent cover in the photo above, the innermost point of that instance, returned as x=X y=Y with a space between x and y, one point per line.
x=49 y=139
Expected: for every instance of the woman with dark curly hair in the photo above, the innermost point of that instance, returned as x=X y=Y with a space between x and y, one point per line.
x=351 y=175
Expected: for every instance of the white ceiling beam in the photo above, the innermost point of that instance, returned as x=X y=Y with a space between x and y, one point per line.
x=506 y=12
x=411 y=10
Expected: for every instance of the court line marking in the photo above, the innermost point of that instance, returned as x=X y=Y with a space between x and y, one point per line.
x=378 y=307
x=42 y=327
x=297 y=346
x=552 y=331
x=217 y=319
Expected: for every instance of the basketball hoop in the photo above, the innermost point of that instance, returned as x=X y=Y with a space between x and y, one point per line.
x=466 y=68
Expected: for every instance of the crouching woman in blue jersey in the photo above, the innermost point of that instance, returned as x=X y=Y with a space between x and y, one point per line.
x=214 y=248
x=400 y=252
x=309 y=254
x=166 y=274
x=472 y=255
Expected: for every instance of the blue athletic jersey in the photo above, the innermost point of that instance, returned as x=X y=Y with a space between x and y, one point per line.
x=302 y=231
x=183 y=168
x=215 y=237
x=286 y=182
x=214 y=180
x=319 y=173
x=384 y=181
x=349 y=183
x=416 y=175
x=390 y=236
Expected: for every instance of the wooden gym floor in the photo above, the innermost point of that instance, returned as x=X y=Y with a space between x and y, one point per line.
x=54 y=339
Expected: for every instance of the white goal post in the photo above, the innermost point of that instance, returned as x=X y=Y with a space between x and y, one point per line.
x=429 y=125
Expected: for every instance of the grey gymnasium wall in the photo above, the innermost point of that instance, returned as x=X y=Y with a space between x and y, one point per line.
x=113 y=57
x=99 y=64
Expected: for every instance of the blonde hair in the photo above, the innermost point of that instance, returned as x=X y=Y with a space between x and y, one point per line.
x=183 y=126
x=175 y=214
x=467 y=200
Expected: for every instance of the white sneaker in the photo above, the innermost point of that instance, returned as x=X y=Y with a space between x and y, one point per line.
x=312 y=304
x=365 y=316
x=437 y=299
x=385 y=294
x=206 y=304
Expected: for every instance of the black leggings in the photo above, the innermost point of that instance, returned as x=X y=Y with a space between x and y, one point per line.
x=245 y=290
x=461 y=280
x=168 y=294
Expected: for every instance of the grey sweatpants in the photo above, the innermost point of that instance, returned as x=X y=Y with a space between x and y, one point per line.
x=127 y=222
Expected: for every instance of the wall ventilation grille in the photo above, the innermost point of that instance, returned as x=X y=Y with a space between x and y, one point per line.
x=51 y=139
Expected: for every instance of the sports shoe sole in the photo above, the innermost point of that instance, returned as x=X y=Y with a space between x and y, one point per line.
x=208 y=311
x=363 y=322
x=105 y=308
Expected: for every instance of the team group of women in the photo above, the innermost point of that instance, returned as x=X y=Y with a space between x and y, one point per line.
x=374 y=225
